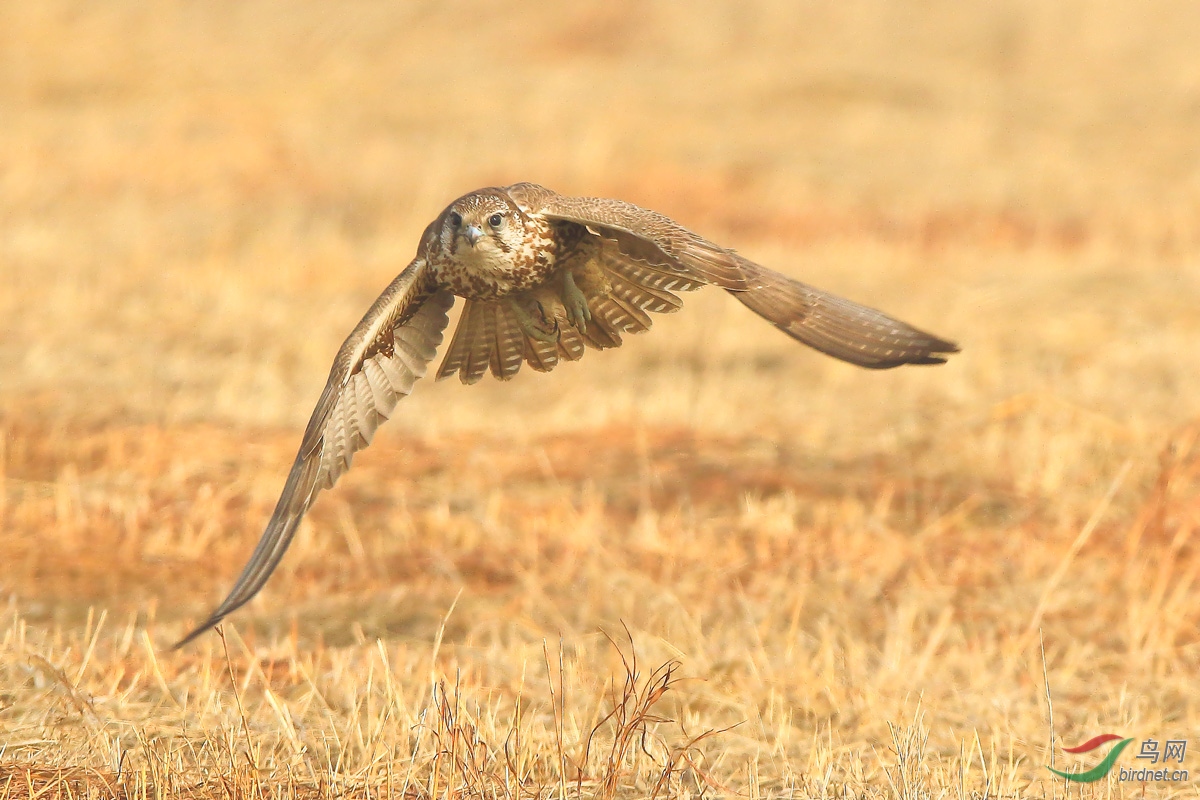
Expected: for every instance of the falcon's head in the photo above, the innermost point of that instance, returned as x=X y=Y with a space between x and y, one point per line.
x=484 y=230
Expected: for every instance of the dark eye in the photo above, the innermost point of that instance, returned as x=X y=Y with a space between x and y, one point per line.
x=455 y=218
x=494 y=220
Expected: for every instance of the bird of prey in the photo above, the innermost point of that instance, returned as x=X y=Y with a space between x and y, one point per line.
x=544 y=277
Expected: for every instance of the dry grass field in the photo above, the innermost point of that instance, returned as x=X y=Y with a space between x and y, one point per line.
x=710 y=563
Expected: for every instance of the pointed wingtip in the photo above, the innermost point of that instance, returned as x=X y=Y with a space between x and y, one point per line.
x=939 y=352
x=211 y=623
x=186 y=640
x=933 y=354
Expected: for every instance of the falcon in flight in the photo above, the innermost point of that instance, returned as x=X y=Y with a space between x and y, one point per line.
x=544 y=277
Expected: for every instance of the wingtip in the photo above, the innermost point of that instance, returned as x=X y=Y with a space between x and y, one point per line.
x=937 y=352
x=196 y=633
x=931 y=352
x=943 y=349
x=186 y=640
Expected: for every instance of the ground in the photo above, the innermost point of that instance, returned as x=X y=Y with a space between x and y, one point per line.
x=708 y=563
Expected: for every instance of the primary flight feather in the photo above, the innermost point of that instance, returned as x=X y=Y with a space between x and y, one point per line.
x=544 y=276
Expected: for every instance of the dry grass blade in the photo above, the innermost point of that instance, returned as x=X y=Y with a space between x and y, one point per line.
x=908 y=779
x=629 y=723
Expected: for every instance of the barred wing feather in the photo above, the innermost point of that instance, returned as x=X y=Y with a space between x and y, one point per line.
x=388 y=351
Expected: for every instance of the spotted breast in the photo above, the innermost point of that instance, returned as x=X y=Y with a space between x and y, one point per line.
x=488 y=247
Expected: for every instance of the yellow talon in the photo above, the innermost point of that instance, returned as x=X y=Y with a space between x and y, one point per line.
x=575 y=303
x=530 y=326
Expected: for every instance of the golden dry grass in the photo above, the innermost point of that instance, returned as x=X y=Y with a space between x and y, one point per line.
x=708 y=563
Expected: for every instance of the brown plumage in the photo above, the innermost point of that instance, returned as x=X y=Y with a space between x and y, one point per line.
x=544 y=277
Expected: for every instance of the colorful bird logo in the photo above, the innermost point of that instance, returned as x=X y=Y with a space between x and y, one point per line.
x=1104 y=767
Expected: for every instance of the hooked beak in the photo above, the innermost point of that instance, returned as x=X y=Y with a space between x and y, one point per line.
x=473 y=234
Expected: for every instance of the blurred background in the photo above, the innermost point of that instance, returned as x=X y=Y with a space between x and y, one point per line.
x=199 y=200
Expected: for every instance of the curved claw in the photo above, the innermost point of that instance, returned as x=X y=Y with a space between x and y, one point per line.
x=531 y=327
x=575 y=303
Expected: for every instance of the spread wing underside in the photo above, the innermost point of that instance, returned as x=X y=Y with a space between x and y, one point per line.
x=836 y=326
x=387 y=353
x=833 y=325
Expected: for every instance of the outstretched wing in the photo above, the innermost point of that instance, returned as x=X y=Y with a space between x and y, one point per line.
x=836 y=326
x=833 y=325
x=376 y=366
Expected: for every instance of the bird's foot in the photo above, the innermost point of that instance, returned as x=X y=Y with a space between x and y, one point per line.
x=575 y=303
x=531 y=326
